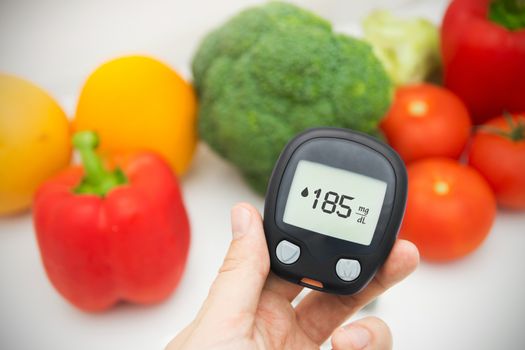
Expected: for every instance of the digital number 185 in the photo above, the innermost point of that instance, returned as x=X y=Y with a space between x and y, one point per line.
x=332 y=201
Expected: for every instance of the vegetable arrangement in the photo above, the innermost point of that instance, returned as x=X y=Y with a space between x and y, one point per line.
x=269 y=73
x=451 y=206
x=116 y=228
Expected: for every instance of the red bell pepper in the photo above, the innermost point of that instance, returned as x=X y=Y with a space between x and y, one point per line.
x=106 y=236
x=483 y=49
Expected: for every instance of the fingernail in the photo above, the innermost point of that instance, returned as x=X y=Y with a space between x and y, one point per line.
x=241 y=218
x=358 y=336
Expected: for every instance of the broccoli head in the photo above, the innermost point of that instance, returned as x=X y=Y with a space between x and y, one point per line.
x=273 y=71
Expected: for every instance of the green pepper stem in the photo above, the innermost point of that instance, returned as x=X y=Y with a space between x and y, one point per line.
x=508 y=13
x=97 y=179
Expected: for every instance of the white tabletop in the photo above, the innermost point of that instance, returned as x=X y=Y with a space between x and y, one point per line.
x=474 y=303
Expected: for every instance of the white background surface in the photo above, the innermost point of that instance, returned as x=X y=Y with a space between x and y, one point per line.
x=474 y=303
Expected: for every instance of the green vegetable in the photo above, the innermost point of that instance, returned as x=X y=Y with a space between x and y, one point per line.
x=508 y=13
x=275 y=70
x=408 y=48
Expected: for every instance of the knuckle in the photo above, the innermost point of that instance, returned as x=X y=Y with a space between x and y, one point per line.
x=253 y=266
x=230 y=263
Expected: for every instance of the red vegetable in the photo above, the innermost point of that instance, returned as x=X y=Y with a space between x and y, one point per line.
x=498 y=153
x=450 y=209
x=109 y=236
x=426 y=121
x=484 y=62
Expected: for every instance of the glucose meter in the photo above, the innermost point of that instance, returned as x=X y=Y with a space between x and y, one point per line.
x=333 y=208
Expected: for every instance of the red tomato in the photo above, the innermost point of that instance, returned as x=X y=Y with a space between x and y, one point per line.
x=498 y=152
x=426 y=121
x=450 y=209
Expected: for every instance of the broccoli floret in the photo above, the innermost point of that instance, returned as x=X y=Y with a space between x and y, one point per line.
x=273 y=71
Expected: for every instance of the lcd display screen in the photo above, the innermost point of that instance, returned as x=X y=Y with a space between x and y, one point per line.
x=334 y=202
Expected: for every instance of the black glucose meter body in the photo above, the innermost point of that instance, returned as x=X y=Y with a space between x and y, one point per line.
x=333 y=208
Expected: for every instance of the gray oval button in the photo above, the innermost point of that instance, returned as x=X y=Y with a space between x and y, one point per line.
x=348 y=269
x=287 y=252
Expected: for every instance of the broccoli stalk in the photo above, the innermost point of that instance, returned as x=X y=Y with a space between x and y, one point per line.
x=408 y=48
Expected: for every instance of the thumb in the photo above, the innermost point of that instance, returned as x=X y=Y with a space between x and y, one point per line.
x=369 y=333
x=243 y=273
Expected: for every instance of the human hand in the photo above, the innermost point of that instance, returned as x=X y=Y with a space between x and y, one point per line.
x=250 y=308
